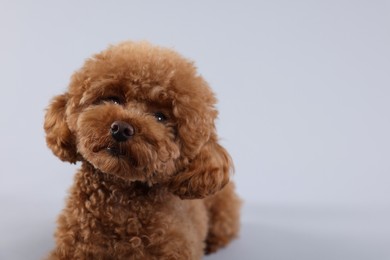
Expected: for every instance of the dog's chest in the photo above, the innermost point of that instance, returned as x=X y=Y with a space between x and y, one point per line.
x=125 y=214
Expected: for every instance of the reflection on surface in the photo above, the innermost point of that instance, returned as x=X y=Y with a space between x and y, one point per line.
x=311 y=233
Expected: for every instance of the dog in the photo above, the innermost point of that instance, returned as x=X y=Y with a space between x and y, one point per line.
x=154 y=182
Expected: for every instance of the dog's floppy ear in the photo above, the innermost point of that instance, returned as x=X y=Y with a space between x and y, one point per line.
x=58 y=136
x=206 y=174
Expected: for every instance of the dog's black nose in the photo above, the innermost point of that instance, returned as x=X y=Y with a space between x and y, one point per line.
x=121 y=131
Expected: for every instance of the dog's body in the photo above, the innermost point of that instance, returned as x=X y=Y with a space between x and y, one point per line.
x=154 y=181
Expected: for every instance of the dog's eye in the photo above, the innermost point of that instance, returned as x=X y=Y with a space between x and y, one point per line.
x=112 y=99
x=160 y=116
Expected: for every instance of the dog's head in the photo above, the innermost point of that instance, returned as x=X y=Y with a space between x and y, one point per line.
x=141 y=113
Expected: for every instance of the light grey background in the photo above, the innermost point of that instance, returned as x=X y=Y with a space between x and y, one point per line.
x=304 y=90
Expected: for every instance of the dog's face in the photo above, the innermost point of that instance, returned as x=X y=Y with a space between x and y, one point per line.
x=141 y=113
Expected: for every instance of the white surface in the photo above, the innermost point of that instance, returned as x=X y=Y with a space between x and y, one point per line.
x=304 y=90
x=315 y=233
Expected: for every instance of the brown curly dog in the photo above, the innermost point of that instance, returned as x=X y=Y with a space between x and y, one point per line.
x=154 y=182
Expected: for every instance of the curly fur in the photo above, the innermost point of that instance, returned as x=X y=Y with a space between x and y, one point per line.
x=166 y=193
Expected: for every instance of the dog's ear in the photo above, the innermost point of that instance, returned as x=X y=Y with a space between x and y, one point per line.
x=206 y=174
x=58 y=136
